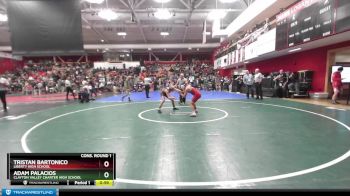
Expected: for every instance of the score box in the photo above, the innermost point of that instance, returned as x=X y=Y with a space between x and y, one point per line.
x=60 y=168
x=104 y=183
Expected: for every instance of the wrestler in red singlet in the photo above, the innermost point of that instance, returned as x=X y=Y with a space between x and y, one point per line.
x=196 y=96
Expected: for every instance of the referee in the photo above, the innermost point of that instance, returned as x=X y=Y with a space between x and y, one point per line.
x=69 y=89
x=147 y=82
x=181 y=84
x=4 y=84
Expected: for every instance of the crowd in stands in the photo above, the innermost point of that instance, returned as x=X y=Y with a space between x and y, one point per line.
x=81 y=78
x=45 y=78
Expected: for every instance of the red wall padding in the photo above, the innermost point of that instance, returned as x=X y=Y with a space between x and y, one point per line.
x=9 y=65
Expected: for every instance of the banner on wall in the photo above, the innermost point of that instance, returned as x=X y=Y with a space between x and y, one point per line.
x=224 y=61
x=242 y=55
x=263 y=45
x=251 y=51
x=229 y=59
x=216 y=63
x=116 y=65
x=233 y=54
x=236 y=56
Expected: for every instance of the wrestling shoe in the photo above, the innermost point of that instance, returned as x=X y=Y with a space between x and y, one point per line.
x=193 y=114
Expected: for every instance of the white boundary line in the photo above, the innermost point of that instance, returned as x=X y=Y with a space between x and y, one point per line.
x=195 y=122
x=180 y=113
x=217 y=183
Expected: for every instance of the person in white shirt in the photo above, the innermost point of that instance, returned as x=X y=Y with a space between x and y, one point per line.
x=191 y=79
x=181 y=84
x=85 y=92
x=248 y=80
x=4 y=84
x=258 y=77
x=147 y=82
x=69 y=89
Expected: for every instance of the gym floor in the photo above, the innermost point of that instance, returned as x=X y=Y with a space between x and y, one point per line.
x=233 y=143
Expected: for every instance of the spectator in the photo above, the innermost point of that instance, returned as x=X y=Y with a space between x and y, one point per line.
x=69 y=88
x=248 y=80
x=239 y=80
x=147 y=83
x=279 y=80
x=337 y=84
x=293 y=83
x=258 y=77
x=4 y=84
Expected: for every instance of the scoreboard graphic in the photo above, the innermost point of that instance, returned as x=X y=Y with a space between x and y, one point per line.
x=85 y=169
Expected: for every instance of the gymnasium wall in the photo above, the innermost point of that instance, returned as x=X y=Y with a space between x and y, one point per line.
x=91 y=58
x=314 y=60
x=9 y=65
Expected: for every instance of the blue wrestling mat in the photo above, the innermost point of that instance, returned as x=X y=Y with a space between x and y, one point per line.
x=155 y=96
